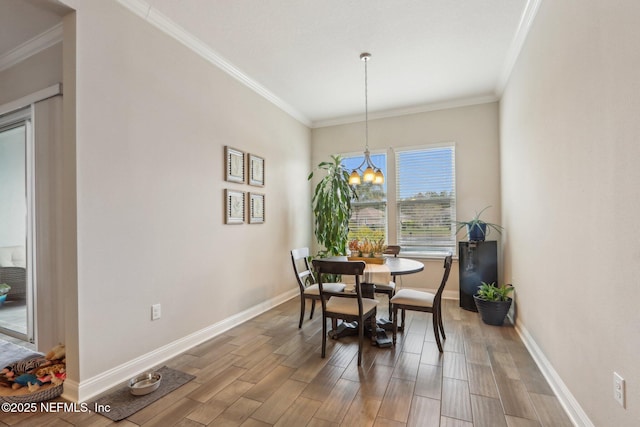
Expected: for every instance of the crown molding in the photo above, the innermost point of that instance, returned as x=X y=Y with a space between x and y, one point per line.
x=526 y=21
x=166 y=25
x=464 y=102
x=29 y=48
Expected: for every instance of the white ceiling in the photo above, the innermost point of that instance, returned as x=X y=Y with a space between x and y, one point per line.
x=304 y=54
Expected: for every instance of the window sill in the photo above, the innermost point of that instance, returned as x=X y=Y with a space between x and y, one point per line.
x=423 y=255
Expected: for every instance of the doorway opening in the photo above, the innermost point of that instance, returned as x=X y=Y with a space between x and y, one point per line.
x=17 y=225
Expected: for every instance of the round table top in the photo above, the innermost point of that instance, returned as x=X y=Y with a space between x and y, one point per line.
x=397 y=266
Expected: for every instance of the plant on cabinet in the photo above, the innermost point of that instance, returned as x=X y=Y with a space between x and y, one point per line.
x=477 y=229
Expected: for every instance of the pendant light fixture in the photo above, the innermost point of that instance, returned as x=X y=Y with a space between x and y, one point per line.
x=371 y=172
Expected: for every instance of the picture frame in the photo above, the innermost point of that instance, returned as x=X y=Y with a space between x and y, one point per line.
x=256 y=170
x=234 y=206
x=256 y=208
x=234 y=165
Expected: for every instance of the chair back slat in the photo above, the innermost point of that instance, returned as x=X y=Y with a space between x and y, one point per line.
x=300 y=261
x=448 y=260
x=392 y=250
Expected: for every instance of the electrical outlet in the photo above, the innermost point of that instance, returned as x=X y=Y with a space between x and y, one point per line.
x=618 y=389
x=155 y=311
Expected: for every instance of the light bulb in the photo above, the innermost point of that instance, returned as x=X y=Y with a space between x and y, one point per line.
x=379 y=177
x=368 y=174
x=354 y=178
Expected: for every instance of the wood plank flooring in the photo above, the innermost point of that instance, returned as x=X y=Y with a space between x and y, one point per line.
x=267 y=372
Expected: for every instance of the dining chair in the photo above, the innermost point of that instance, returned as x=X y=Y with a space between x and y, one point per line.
x=412 y=299
x=348 y=306
x=389 y=289
x=309 y=289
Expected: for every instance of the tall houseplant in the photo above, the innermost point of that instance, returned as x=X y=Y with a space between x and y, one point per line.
x=332 y=207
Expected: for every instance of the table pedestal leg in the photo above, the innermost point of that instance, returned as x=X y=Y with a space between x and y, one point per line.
x=351 y=328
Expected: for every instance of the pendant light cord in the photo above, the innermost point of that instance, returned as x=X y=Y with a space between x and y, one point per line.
x=366 y=105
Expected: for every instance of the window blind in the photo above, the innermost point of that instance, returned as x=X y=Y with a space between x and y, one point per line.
x=426 y=200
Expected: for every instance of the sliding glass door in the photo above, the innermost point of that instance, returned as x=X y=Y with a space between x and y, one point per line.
x=16 y=225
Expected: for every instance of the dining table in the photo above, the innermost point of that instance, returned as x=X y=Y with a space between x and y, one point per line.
x=397 y=266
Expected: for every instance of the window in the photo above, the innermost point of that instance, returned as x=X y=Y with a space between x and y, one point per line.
x=426 y=200
x=420 y=212
x=369 y=211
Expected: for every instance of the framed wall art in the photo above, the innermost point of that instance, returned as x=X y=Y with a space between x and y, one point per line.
x=256 y=170
x=234 y=206
x=234 y=165
x=256 y=208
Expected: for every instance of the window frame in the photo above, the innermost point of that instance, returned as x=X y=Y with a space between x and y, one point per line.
x=391 y=183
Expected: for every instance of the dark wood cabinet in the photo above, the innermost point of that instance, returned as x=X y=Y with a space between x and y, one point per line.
x=477 y=262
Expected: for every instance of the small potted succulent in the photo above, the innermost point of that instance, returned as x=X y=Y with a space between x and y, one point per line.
x=366 y=248
x=493 y=302
x=354 y=247
x=477 y=229
x=378 y=248
x=4 y=290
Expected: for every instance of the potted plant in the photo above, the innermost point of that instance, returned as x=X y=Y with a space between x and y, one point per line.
x=332 y=207
x=4 y=290
x=477 y=229
x=493 y=302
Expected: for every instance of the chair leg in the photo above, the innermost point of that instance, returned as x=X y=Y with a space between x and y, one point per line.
x=302 y=302
x=324 y=336
x=436 y=332
x=360 y=340
x=402 y=326
x=390 y=294
x=374 y=329
x=395 y=324
x=440 y=322
x=313 y=308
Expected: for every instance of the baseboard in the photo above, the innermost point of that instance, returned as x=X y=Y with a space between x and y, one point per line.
x=89 y=388
x=568 y=402
x=450 y=294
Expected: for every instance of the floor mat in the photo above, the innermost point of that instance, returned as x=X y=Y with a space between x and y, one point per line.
x=122 y=403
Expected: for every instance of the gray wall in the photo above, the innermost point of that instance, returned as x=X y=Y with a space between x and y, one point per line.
x=569 y=161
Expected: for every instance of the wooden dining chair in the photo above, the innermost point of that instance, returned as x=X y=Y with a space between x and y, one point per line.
x=348 y=306
x=389 y=289
x=411 y=299
x=309 y=289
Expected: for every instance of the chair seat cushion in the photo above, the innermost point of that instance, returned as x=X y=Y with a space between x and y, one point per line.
x=331 y=287
x=413 y=297
x=350 y=305
x=391 y=286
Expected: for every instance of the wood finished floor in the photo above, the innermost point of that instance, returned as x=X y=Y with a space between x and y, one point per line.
x=267 y=372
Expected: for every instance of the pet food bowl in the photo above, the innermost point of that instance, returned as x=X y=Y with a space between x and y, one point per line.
x=145 y=383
